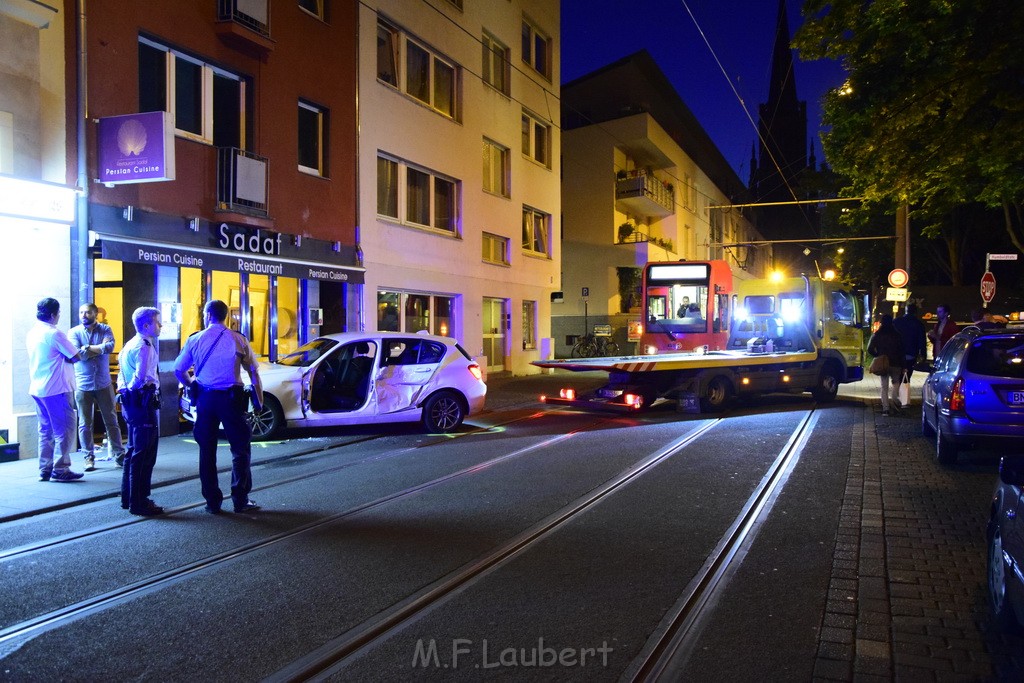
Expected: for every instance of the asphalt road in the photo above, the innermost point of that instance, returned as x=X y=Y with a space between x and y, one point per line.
x=494 y=554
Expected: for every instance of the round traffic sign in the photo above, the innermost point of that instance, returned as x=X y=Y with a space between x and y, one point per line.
x=898 y=277
x=988 y=287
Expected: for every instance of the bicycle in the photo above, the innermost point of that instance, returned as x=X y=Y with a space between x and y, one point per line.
x=593 y=346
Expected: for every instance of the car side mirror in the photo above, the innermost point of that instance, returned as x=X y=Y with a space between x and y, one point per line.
x=1011 y=470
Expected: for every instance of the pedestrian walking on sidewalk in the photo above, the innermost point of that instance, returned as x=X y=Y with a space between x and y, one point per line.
x=138 y=389
x=52 y=388
x=912 y=332
x=886 y=341
x=95 y=341
x=216 y=357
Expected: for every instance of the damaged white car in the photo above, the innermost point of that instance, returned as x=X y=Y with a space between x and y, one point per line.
x=357 y=378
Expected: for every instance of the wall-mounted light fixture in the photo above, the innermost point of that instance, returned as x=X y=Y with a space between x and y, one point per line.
x=129 y=213
x=193 y=225
x=336 y=247
x=298 y=240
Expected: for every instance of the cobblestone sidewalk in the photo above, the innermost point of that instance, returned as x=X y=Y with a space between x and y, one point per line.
x=907 y=598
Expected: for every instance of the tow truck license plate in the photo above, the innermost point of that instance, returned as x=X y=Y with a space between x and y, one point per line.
x=1015 y=398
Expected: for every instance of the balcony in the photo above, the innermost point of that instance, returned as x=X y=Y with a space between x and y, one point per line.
x=245 y=24
x=242 y=182
x=644 y=195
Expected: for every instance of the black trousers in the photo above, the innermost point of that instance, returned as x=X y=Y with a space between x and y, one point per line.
x=226 y=407
x=140 y=457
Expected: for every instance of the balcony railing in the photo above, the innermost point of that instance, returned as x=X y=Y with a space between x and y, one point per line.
x=253 y=14
x=242 y=182
x=644 y=195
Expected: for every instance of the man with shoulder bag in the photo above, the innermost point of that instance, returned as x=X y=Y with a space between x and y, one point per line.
x=217 y=356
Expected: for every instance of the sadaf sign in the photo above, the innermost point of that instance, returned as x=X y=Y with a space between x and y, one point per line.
x=135 y=148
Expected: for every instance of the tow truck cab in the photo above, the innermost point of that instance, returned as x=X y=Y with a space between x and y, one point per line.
x=802 y=313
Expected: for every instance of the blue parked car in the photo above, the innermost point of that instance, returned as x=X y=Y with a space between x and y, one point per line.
x=1006 y=546
x=975 y=393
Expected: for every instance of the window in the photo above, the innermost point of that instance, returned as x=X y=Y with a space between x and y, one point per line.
x=312 y=139
x=417 y=196
x=314 y=7
x=208 y=103
x=427 y=76
x=536 y=139
x=495 y=249
x=387 y=187
x=529 y=325
x=495 y=71
x=535 y=231
x=411 y=312
x=536 y=49
x=496 y=168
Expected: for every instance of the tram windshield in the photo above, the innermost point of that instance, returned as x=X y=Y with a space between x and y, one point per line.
x=676 y=298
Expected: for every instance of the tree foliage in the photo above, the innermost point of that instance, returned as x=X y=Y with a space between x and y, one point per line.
x=933 y=112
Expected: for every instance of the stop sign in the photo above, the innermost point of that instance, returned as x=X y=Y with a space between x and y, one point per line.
x=988 y=287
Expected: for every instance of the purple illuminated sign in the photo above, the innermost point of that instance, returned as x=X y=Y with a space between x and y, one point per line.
x=136 y=148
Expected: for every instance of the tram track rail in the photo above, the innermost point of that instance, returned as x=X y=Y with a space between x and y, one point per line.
x=658 y=661
x=11 y=635
x=662 y=655
x=50 y=543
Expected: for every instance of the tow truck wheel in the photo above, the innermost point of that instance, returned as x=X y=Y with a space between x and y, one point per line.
x=716 y=395
x=828 y=385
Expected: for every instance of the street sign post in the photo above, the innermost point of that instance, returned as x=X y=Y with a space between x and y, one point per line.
x=896 y=294
x=898 y=278
x=988 y=287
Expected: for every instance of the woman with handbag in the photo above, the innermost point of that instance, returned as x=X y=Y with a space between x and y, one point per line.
x=886 y=345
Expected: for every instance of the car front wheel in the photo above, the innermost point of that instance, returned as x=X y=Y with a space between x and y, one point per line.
x=268 y=421
x=443 y=413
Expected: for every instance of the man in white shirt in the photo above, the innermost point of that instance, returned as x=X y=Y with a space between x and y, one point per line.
x=52 y=387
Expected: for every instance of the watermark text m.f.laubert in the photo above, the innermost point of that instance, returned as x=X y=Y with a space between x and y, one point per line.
x=464 y=652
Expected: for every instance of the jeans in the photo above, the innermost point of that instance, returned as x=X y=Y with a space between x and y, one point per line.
x=87 y=402
x=56 y=425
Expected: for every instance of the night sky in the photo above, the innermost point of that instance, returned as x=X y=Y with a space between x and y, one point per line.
x=741 y=33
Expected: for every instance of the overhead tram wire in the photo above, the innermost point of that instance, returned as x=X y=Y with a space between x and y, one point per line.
x=742 y=104
x=556 y=121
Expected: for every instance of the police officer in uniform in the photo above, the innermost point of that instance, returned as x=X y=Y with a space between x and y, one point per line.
x=217 y=355
x=138 y=387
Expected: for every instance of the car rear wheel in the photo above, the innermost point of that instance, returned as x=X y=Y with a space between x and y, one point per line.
x=269 y=421
x=1002 y=610
x=945 y=449
x=443 y=413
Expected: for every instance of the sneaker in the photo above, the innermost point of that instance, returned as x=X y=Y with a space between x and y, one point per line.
x=66 y=475
x=119 y=459
x=105 y=458
x=44 y=476
x=90 y=463
x=249 y=506
x=149 y=509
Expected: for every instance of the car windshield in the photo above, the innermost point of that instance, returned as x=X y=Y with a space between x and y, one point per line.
x=308 y=354
x=998 y=357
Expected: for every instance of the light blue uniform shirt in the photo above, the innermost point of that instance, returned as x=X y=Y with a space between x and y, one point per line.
x=140 y=364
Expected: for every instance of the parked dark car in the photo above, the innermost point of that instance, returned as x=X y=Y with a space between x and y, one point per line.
x=974 y=396
x=1006 y=545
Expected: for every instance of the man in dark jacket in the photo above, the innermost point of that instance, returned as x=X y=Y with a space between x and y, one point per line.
x=912 y=331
